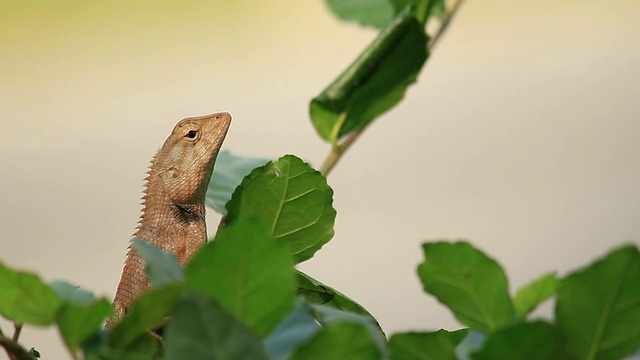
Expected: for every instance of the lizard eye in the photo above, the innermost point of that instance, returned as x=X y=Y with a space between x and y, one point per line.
x=191 y=134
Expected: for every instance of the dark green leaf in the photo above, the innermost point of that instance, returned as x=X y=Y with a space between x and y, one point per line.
x=339 y=340
x=80 y=314
x=24 y=298
x=531 y=295
x=525 y=341
x=318 y=293
x=376 y=13
x=203 y=330
x=374 y=83
x=422 y=8
x=293 y=199
x=162 y=267
x=598 y=308
x=144 y=347
x=148 y=312
x=298 y=327
x=471 y=284
x=439 y=345
x=248 y=272
x=228 y=173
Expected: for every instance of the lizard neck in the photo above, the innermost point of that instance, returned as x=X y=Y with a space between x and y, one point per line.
x=177 y=228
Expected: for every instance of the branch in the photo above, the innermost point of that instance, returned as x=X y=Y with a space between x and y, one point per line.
x=14 y=350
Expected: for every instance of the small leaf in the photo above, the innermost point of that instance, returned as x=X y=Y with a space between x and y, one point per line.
x=248 y=272
x=531 y=295
x=148 y=312
x=162 y=267
x=375 y=13
x=228 y=173
x=80 y=314
x=339 y=340
x=293 y=199
x=374 y=83
x=471 y=284
x=439 y=345
x=24 y=298
x=203 y=330
x=526 y=341
x=297 y=328
x=598 y=307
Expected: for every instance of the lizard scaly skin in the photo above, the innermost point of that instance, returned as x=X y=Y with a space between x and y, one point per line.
x=173 y=213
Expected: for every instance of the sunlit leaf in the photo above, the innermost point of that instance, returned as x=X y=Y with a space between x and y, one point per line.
x=293 y=199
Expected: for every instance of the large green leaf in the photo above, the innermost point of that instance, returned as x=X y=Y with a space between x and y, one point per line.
x=438 y=345
x=80 y=314
x=293 y=199
x=148 y=312
x=471 y=284
x=523 y=341
x=228 y=173
x=531 y=295
x=248 y=272
x=375 y=82
x=598 y=308
x=162 y=267
x=201 y=329
x=376 y=13
x=339 y=340
x=24 y=298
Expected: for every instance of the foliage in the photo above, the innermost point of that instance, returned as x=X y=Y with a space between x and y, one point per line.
x=242 y=298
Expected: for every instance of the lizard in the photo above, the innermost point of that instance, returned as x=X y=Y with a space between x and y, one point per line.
x=173 y=211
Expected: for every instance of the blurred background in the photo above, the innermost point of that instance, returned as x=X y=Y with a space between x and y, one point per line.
x=521 y=135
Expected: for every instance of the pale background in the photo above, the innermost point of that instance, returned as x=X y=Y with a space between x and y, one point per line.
x=522 y=135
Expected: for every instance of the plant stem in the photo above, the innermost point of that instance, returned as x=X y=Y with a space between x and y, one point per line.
x=337 y=151
x=446 y=20
x=16 y=332
x=14 y=350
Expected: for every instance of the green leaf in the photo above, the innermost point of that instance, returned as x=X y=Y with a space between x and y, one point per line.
x=297 y=328
x=598 y=307
x=531 y=295
x=438 y=345
x=24 y=298
x=248 y=272
x=422 y=8
x=80 y=314
x=293 y=199
x=318 y=293
x=228 y=173
x=525 y=341
x=203 y=330
x=376 y=13
x=144 y=347
x=471 y=284
x=148 y=312
x=339 y=340
x=374 y=83
x=162 y=267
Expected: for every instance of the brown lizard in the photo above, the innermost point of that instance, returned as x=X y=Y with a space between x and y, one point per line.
x=173 y=212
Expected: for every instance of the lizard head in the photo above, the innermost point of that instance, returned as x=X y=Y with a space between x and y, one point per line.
x=185 y=162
